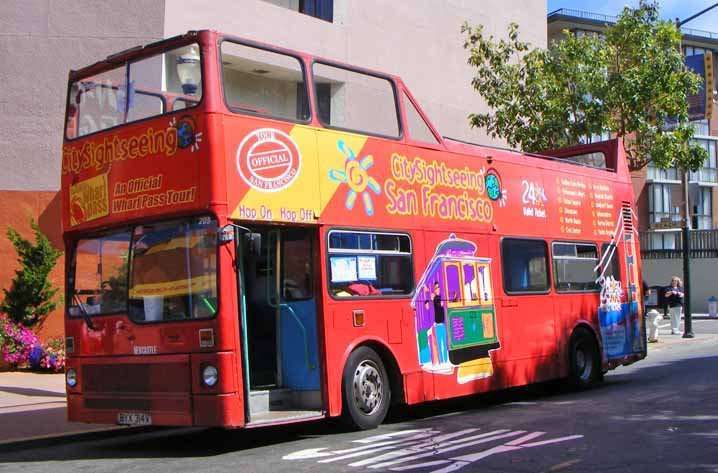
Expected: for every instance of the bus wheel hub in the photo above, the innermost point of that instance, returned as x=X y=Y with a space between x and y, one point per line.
x=368 y=387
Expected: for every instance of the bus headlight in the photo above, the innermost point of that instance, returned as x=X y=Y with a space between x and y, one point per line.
x=71 y=377
x=210 y=375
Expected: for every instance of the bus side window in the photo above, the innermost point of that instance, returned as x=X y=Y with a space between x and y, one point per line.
x=614 y=267
x=524 y=264
x=370 y=264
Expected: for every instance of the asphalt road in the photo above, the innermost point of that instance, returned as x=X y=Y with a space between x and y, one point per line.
x=659 y=415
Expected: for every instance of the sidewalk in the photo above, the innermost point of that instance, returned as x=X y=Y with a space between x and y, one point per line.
x=33 y=407
x=665 y=338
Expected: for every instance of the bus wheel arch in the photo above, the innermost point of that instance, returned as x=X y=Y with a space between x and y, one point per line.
x=370 y=381
x=584 y=358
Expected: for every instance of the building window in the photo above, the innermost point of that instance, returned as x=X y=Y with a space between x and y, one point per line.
x=664 y=241
x=709 y=172
x=321 y=9
x=702 y=218
x=525 y=265
x=660 y=204
x=701 y=127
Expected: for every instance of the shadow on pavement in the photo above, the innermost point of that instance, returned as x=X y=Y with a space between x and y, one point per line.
x=194 y=442
x=31 y=392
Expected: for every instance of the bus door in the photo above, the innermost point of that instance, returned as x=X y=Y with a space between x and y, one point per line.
x=279 y=323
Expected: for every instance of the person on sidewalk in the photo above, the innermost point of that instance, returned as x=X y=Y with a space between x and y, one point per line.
x=674 y=299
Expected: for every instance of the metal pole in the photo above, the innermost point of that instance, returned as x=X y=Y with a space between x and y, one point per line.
x=688 y=328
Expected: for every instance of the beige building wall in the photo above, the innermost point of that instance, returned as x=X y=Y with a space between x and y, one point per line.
x=41 y=40
x=419 y=40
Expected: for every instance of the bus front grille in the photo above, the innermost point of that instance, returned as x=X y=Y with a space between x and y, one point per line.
x=160 y=378
x=134 y=404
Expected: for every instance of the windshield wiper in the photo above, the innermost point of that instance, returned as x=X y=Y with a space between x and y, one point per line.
x=85 y=315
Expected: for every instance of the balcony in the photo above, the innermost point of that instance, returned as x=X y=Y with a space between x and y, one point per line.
x=662 y=175
x=611 y=19
x=669 y=245
x=664 y=220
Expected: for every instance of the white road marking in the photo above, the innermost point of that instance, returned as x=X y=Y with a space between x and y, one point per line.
x=404 y=447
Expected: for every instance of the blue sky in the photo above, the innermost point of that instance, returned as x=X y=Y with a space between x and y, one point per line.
x=670 y=10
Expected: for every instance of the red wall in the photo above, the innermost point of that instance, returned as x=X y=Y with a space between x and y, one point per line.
x=16 y=210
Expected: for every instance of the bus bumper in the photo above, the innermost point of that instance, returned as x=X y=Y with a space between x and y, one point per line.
x=164 y=390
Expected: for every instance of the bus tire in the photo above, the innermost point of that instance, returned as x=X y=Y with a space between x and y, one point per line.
x=584 y=359
x=366 y=390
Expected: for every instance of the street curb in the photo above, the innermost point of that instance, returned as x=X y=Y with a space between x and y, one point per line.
x=58 y=439
x=681 y=341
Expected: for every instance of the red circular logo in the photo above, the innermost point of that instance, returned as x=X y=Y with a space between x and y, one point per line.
x=268 y=160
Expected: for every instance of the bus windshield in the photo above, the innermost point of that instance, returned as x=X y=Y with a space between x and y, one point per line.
x=173 y=275
x=169 y=274
x=99 y=275
x=140 y=89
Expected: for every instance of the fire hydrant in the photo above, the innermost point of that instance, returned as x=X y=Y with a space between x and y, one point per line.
x=712 y=307
x=652 y=317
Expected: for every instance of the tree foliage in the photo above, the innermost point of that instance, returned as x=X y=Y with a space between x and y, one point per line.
x=31 y=295
x=631 y=81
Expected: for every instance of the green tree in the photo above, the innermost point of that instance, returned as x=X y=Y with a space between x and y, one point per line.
x=631 y=81
x=31 y=295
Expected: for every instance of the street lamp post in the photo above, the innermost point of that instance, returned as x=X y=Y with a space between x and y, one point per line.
x=688 y=327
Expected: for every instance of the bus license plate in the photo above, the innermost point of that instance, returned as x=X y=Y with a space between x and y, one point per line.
x=134 y=418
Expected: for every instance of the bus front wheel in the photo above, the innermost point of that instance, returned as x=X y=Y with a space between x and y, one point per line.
x=366 y=392
x=584 y=359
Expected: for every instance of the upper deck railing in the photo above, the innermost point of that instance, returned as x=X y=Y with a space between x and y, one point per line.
x=611 y=19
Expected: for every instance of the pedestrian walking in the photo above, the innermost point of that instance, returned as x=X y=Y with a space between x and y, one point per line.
x=674 y=300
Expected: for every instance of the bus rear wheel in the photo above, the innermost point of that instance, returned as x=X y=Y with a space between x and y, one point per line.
x=584 y=359
x=366 y=392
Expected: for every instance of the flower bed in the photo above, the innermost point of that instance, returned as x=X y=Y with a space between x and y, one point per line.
x=48 y=356
x=16 y=341
x=20 y=346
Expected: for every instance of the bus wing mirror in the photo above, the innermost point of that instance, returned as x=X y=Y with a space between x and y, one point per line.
x=226 y=234
x=253 y=241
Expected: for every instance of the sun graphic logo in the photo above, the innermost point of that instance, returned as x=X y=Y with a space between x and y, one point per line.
x=355 y=175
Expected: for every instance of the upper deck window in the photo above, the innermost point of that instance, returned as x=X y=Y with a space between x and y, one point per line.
x=418 y=128
x=358 y=101
x=136 y=90
x=263 y=82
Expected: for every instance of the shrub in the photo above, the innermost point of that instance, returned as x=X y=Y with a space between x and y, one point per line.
x=32 y=295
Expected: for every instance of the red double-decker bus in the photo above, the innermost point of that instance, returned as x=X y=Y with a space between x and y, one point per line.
x=258 y=236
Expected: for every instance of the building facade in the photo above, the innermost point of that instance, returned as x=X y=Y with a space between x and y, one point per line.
x=659 y=192
x=43 y=39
